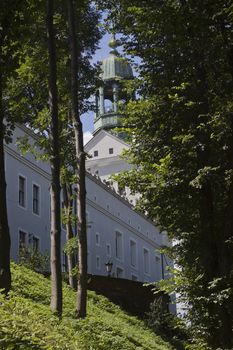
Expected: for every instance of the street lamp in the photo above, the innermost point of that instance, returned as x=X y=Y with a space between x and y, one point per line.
x=109 y=267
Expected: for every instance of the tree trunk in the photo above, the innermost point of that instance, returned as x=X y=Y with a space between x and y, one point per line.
x=68 y=206
x=80 y=160
x=56 y=277
x=5 y=273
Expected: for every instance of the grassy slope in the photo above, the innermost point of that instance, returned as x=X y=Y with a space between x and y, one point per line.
x=27 y=323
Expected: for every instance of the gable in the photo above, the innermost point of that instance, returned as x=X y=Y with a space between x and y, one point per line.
x=105 y=145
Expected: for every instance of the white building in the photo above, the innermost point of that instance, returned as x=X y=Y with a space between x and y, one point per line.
x=116 y=231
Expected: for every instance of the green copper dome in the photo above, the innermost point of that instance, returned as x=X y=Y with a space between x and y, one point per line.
x=115 y=67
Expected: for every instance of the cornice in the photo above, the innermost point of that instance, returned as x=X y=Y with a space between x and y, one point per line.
x=28 y=163
x=119 y=197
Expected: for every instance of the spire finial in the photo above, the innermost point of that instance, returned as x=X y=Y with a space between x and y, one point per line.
x=113 y=44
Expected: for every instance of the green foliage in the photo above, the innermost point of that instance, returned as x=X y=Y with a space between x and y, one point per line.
x=34 y=260
x=166 y=324
x=181 y=145
x=71 y=245
x=26 y=321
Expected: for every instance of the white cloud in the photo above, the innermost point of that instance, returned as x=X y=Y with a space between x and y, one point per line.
x=87 y=136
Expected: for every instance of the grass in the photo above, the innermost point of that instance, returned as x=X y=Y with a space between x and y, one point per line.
x=26 y=321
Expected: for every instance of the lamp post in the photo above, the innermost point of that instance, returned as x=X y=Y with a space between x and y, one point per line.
x=109 y=265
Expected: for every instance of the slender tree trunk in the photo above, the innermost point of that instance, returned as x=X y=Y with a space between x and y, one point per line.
x=69 y=234
x=225 y=262
x=5 y=273
x=56 y=277
x=80 y=160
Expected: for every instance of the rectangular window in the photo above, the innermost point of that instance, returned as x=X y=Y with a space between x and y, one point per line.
x=108 y=248
x=36 y=199
x=133 y=254
x=22 y=191
x=98 y=262
x=22 y=239
x=97 y=238
x=146 y=260
x=35 y=244
x=96 y=153
x=119 y=243
x=110 y=150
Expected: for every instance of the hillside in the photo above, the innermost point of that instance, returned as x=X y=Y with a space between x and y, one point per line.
x=27 y=323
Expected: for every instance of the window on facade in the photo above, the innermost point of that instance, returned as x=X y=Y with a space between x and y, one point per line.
x=35 y=244
x=110 y=150
x=108 y=250
x=119 y=272
x=98 y=262
x=36 y=199
x=118 y=244
x=97 y=238
x=22 y=239
x=133 y=254
x=96 y=153
x=146 y=260
x=22 y=191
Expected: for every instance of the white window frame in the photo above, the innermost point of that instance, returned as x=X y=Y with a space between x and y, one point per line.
x=26 y=237
x=158 y=267
x=31 y=237
x=98 y=266
x=25 y=192
x=39 y=199
x=136 y=252
x=122 y=245
x=110 y=250
x=38 y=245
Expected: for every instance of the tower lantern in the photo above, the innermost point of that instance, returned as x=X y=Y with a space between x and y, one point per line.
x=114 y=69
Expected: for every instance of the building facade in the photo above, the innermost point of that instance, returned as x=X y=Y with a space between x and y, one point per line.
x=116 y=232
